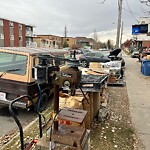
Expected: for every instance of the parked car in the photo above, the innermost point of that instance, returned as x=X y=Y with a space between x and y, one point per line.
x=103 y=49
x=106 y=52
x=116 y=64
x=78 y=53
x=83 y=51
x=92 y=56
x=113 y=55
x=16 y=75
x=135 y=54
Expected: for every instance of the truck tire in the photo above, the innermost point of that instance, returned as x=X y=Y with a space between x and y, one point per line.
x=84 y=63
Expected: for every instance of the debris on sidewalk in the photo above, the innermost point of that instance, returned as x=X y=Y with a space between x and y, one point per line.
x=103 y=114
x=116 y=133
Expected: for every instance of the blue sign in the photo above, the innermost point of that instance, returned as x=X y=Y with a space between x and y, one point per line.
x=140 y=28
x=135 y=30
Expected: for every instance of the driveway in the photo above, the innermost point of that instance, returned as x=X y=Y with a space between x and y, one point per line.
x=7 y=123
x=138 y=87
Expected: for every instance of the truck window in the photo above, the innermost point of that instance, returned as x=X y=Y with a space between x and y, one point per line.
x=13 y=63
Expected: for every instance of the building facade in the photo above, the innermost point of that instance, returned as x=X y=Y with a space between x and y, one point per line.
x=84 y=41
x=14 y=34
x=29 y=34
x=70 y=41
x=143 y=39
x=51 y=41
x=42 y=42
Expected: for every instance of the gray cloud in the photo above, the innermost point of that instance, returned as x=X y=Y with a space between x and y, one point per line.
x=80 y=16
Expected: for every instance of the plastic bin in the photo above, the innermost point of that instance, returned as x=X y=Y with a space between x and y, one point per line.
x=145 y=67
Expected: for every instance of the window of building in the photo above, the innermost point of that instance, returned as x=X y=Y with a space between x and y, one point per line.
x=20 y=38
x=11 y=24
x=20 y=26
x=1 y=22
x=67 y=39
x=1 y=36
x=11 y=37
x=28 y=29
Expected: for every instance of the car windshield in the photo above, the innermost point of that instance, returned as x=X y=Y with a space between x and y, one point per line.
x=99 y=54
x=90 y=54
x=13 y=63
x=105 y=53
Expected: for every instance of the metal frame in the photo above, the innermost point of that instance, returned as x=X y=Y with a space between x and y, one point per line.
x=19 y=124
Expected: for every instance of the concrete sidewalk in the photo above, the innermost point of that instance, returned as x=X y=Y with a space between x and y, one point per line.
x=138 y=87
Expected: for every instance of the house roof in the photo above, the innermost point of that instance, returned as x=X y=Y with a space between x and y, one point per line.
x=84 y=39
x=18 y=22
x=48 y=35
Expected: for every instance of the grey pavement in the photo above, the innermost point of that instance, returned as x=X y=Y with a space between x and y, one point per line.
x=138 y=87
x=7 y=123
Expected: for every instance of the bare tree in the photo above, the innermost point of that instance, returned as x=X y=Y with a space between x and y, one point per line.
x=110 y=44
x=102 y=2
x=65 y=44
x=95 y=37
x=147 y=3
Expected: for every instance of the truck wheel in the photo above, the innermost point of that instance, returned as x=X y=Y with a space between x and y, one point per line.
x=84 y=63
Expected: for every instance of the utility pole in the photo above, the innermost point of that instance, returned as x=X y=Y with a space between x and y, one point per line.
x=121 y=34
x=119 y=23
x=65 y=44
x=65 y=32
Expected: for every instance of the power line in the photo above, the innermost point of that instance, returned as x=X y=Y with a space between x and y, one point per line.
x=145 y=11
x=146 y=2
x=131 y=11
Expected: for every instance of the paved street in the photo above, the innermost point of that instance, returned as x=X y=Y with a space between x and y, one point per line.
x=7 y=123
x=138 y=87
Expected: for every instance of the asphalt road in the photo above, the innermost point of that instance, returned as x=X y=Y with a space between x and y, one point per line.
x=7 y=123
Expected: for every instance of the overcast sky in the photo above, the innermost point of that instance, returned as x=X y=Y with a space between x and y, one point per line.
x=80 y=16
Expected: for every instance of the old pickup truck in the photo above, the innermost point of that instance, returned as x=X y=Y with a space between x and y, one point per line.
x=16 y=75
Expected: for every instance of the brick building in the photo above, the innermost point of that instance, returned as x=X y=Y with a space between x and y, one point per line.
x=14 y=34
